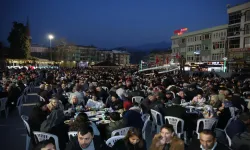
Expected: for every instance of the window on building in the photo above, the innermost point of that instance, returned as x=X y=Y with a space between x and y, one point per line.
x=221 y=34
x=197 y=47
x=205 y=47
x=216 y=35
x=247 y=42
x=195 y=38
x=247 y=28
x=183 y=40
x=235 y=17
x=247 y=15
x=234 y=42
x=207 y=36
x=218 y=45
x=233 y=30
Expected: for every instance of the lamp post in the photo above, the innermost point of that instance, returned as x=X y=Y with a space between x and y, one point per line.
x=51 y=37
x=225 y=66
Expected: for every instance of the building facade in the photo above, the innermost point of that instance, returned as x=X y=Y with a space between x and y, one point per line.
x=39 y=51
x=201 y=46
x=159 y=58
x=239 y=35
x=120 y=57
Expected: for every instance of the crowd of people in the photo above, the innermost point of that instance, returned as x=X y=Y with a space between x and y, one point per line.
x=67 y=93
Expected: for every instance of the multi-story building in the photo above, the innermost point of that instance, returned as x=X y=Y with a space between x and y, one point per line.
x=201 y=46
x=163 y=57
x=39 y=51
x=86 y=54
x=239 y=35
x=103 y=55
x=120 y=57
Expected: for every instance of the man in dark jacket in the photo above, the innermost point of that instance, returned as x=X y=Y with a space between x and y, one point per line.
x=85 y=139
x=116 y=123
x=207 y=141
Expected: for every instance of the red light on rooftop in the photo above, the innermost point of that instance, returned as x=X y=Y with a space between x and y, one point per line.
x=180 y=33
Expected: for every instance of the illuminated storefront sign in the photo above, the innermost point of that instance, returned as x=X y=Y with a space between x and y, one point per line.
x=239 y=50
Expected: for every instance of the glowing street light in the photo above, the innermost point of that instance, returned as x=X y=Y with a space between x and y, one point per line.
x=51 y=37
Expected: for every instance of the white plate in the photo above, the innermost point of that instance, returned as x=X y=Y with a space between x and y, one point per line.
x=94 y=119
x=91 y=113
x=98 y=116
x=199 y=107
x=103 y=122
x=100 y=112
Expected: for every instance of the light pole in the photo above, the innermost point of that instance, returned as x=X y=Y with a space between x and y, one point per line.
x=51 y=37
x=225 y=66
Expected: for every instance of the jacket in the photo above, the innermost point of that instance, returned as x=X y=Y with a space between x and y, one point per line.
x=98 y=143
x=241 y=141
x=114 y=126
x=195 y=145
x=121 y=145
x=176 y=144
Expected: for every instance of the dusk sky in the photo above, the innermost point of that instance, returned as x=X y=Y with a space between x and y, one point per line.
x=111 y=23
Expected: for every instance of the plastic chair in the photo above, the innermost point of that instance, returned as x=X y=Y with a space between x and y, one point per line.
x=41 y=136
x=225 y=130
x=173 y=94
x=111 y=141
x=156 y=122
x=208 y=124
x=41 y=99
x=174 y=121
x=25 y=92
x=72 y=133
x=19 y=104
x=145 y=126
x=25 y=119
x=3 y=106
x=122 y=131
x=137 y=99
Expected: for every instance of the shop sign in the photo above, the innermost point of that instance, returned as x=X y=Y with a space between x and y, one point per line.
x=239 y=49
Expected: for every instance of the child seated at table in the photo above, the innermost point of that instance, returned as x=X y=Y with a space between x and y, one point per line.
x=94 y=103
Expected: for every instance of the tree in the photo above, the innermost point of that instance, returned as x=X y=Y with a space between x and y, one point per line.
x=19 y=41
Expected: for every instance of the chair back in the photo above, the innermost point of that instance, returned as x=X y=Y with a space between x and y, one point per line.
x=111 y=141
x=137 y=99
x=175 y=121
x=225 y=130
x=146 y=122
x=122 y=131
x=41 y=136
x=157 y=117
x=19 y=104
x=105 y=88
x=207 y=124
x=72 y=134
x=26 y=124
x=41 y=99
x=3 y=103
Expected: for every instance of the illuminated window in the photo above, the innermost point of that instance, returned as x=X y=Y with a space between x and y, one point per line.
x=247 y=15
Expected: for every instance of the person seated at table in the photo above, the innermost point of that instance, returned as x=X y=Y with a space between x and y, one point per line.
x=115 y=123
x=115 y=102
x=85 y=140
x=59 y=95
x=169 y=96
x=46 y=93
x=132 y=140
x=45 y=145
x=74 y=104
x=94 y=103
x=241 y=141
x=198 y=100
x=214 y=101
x=78 y=94
x=166 y=139
x=182 y=96
x=151 y=103
x=207 y=141
x=209 y=112
x=102 y=94
x=38 y=114
x=83 y=120
x=54 y=124
x=133 y=118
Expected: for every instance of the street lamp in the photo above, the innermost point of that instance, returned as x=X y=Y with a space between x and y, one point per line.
x=51 y=37
x=225 y=66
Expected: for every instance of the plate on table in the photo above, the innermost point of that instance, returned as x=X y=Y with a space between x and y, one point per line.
x=91 y=113
x=94 y=119
x=99 y=116
x=100 y=112
x=199 y=108
x=103 y=122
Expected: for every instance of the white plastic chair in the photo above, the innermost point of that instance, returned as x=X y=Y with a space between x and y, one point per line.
x=111 y=141
x=31 y=86
x=3 y=106
x=19 y=104
x=25 y=93
x=145 y=126
x=207 y=124
x=173 y=94
x=137 y=99
x=72 y=133
x=174 y=121
x=25 y=119
x=155 y=120
x=144 y=117
x=105 y=88
x=41 y=99
x=225 y=130
x=41 y=136
x=122 y=131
